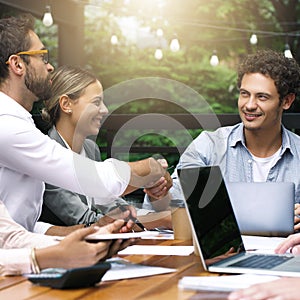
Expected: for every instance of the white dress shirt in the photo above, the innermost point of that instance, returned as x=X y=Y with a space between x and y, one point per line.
x=15 y=261
x=28 y=158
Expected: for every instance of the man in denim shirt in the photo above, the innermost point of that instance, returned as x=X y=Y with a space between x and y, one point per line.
x=259 y=148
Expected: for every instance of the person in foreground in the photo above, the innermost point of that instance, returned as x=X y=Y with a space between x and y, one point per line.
x=74 y=113
x=283 y=288
x=28 y=158
x=260 y=148
x=18 y=247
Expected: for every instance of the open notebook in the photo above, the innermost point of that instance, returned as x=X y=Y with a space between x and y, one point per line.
x=216 y=230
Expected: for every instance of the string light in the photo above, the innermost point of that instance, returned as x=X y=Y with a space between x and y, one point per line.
x=253 y=39
x=287 y=51
x=214 y=60
x=174 y=45
x=158 y=54
x=114 y=40
x=159 y=32
x=47 y=18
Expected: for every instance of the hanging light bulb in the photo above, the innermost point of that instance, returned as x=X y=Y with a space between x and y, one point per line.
x=174 y=45
x=287 y=51
x=114 y=40
x=214 y=60
x=253 y=39
x=158 y=54
x=47 y=18
x=159 y=32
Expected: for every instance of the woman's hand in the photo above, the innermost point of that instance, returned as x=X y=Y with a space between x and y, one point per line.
x=127 y=215
x=74 y=252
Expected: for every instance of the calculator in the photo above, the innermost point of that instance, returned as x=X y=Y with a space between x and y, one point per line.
x=70 y=278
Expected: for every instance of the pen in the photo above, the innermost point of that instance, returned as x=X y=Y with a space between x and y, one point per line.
x=135 y=220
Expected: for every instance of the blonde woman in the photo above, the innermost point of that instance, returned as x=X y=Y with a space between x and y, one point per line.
x=75 y=112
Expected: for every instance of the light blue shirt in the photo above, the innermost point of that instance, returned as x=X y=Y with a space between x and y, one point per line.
x=226 y=147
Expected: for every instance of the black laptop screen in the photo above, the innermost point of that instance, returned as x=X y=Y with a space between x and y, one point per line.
x=210 y=210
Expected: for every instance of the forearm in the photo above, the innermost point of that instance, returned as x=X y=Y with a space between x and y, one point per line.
x=50 y=257
x=62 y=230
x=14 y=261
x=157 y=219
x=161 y=204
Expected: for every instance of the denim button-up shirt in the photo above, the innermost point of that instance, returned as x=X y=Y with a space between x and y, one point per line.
x=226 y=147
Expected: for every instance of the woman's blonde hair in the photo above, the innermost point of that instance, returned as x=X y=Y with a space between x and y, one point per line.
x=66 y=80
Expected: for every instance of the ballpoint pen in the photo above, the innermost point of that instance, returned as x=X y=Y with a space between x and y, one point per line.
x=135 y=220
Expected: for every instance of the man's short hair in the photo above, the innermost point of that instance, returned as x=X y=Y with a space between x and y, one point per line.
x=14 y=38
x=284 y=71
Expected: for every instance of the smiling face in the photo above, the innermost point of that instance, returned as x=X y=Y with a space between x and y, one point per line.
x=88 y=110
x=259 y=105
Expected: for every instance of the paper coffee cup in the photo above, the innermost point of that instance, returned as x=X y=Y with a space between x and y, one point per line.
x=180 y=221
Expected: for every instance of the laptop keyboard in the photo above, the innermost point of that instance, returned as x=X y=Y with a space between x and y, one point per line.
x=262 y=261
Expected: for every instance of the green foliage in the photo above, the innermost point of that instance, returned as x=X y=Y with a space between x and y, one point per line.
x=48 y=36
x=201 y=27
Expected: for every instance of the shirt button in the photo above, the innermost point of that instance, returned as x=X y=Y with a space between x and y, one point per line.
x=249 y=161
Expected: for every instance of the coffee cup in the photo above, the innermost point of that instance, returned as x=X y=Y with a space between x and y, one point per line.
x=180 y=221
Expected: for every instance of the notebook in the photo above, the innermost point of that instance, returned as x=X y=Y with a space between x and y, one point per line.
x=263 y=208
x=216 y=230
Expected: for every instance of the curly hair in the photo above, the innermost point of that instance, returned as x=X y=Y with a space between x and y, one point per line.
x=284 y=71
x=14 y=37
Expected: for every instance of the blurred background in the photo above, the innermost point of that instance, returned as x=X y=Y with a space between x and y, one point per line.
x=195 y=43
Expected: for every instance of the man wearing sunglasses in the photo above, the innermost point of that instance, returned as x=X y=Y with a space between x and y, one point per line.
x=29 y=158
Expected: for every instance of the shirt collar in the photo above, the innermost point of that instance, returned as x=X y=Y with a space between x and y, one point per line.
x=238 y=137
x=9 y=106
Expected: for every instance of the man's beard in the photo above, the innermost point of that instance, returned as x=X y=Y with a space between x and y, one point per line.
x=40 y=87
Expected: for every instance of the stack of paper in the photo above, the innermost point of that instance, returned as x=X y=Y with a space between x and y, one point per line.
x=123 y=269
x=222 y=283
x=157 y=250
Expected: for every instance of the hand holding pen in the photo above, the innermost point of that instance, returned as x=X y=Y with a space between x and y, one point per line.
x=124 y=208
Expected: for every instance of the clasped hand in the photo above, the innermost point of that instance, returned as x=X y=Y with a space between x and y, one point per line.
x=160 y=188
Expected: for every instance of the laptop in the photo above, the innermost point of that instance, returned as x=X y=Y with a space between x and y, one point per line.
x=216 y=230
x=263 y=208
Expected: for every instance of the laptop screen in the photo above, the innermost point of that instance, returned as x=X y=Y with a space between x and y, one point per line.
x=210 y=211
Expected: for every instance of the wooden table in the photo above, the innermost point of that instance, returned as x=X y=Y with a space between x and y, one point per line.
x=152 y=287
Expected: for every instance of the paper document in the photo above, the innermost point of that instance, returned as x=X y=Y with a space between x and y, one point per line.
x=160 y=236
x=222 y=283
x=261 y=243
x=157 y=250
x=127 y=235
x=123 y=269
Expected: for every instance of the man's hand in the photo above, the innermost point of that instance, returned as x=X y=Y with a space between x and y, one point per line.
x=144 y=173
x=284 y=288
x=116 y=245
x=292 y=242
x=297 y=217
x=160 y=188
x=117 y=213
